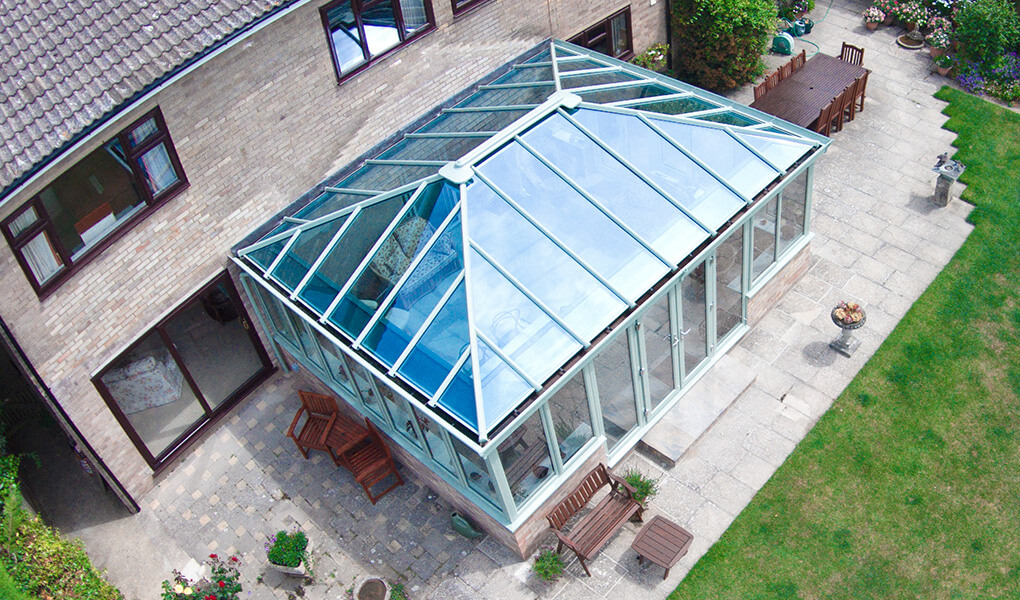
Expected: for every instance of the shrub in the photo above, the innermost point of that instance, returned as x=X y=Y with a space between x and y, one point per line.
x=223 y=583
x=653 y=58
x=987 y=30
x=718 y=44
x=8 y=589
x=644 y=487
x=548 y=565
x=287 y=549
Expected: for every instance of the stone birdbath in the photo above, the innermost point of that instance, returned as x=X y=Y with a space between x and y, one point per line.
x=848 y=316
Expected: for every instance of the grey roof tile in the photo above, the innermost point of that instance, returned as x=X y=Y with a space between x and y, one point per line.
x=65 y=64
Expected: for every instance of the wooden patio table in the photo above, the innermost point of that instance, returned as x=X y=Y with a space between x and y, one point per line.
x=801 y=96
x=663 y=542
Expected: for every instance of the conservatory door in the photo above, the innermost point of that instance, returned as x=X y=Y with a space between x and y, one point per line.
x=660 y=372
x=693 y=321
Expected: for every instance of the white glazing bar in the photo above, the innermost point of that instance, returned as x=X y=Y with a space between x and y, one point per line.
x=755 y=152
x=637 y=102
x=319 y=259
x=450 y=135
x=473 y=109
x=294 y=220
x=706 y=113
x=509 y=361
x=562 y=246
x=512 y=86
x=379 y=242
x=609 y=150
x=283 y=252
x=602 y=208
x=613 y=86
x=385 y=304
x=532 y=65
x=352 y=191
x=482 y=429
x=595 y=71
x=425 y=324
x=457 y=366
x=695 y=159
x=555 y=67
x=405 y=163
x=524 y=290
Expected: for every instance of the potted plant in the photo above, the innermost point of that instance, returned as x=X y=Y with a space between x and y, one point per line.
x=873 y=16
x=288 y=552
x=653 y=59
x=223 y=582
x=943 y=63
x=912 y=14
x=938 y=42
x=644 y=487
x=548 y=565
x=889 y=8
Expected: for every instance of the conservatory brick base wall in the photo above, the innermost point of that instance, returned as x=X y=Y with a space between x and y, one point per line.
x=776 y=288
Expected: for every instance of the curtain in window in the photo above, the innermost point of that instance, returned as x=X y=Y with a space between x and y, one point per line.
x=159 y=171
x=41 y=257
x=414 y=15
x=22 y=222
x=142 y=132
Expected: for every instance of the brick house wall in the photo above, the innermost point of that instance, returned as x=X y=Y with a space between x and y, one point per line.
x=255 y=127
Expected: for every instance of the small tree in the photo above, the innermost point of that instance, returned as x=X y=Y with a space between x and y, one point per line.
x=718 y=44
x=987 y=30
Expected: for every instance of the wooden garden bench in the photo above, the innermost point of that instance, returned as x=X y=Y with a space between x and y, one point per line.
x=596 y=528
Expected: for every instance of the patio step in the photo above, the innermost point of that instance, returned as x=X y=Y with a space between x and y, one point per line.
x=697 y=410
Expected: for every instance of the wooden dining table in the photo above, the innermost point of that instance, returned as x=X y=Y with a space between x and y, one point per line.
x=801 y=96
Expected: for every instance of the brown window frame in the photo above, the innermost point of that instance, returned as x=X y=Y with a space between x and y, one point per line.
x=44 y=224
x=465 y=6
x=603 y=30
x=357 y=7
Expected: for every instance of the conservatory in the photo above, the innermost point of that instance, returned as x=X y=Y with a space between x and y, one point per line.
x=526 y=281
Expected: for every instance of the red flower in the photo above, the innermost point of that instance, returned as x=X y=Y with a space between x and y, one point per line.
x=223 y=584
x=210 y=597
x=213 y=556
x=233 y=559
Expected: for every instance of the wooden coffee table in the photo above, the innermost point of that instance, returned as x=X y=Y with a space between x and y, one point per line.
x=663 y=542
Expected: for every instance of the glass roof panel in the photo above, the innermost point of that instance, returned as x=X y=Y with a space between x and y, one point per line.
x=723 y=154
x=534 y=94
x=493 y=120
x=265 y=255
x=540 y=265
x=502 y=387
x=420 y=294
x=515 y=324
x=565 y=66
x=582 y=227
x=303 y=252
x=644 y=210
x=328 y=202
x=440 y=346
x=783 y=152
x=543 y=56
x=730 y=118
x=396 y=253
x=459 y=398
x=385 y=177
x=597 y=79
x=676 y=106
x=690 y=185
x=625 y=93
x=526 y=74
x=432 y=148
x=348 y=252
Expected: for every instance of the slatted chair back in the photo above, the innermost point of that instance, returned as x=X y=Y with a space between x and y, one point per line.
x=862 y=83
x=850 y=100
x=371 y=462
x=799 y=60
x=759 y=90
x=320 y=413
x=836 y=117
x=579 y=497
x=852 y=54
x=824 y=123
x=319 y=404
x=786 y=70
x=771 y=81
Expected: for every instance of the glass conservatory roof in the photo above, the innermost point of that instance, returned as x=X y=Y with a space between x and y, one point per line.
x=480 y=253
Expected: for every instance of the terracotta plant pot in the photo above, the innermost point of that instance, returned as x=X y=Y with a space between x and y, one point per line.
x=910 y=27
x=936 y=51
x=943 y=71
x=889 y=20
x=871 y=26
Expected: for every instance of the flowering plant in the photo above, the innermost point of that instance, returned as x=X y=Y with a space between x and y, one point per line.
x=943 y=61
x=874 y=15
x=848 y=312
x=223 y=584
x=939 y=22
x=888 y=7
x=938 y=39
x=912 y=12
x=287 y=549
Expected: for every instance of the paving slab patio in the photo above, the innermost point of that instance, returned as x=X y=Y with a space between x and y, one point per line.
x=878 y=241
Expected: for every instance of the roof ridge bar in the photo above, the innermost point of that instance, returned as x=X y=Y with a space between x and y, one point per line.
x=388 y=162
x=434 y=399
x=626 y=163
x=420 y=332
x=450 y=134
x=595 y=202
x=555 y=67
x=377 y=244
x=552 y=237
x=636 y=102
x=509 y=361
x=505 y=107
x=519 y=84
x=529 y=294
x=695 y=159
x=385 y=304
x=476 y=369
x=595 y=71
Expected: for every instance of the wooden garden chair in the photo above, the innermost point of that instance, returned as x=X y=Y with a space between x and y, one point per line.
x=321 y=412
x=371 y=462
x=859 y=99
x=852 y=54
x=824 y=123
x=850 y=101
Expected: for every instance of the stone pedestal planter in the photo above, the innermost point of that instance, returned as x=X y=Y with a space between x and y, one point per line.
x=846 y=343
x=372 y=588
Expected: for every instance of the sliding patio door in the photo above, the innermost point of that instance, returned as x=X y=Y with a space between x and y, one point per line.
x=184 y=372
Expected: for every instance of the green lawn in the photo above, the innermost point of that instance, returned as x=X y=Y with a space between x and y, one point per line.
x=909 y=487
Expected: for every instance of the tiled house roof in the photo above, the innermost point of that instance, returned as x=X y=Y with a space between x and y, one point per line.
x=68 y=63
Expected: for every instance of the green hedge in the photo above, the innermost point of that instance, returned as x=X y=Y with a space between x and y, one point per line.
x=718 y=44
x=987 y=30
x=10 y=590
